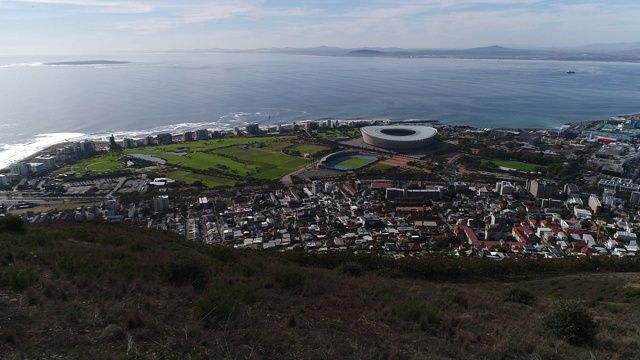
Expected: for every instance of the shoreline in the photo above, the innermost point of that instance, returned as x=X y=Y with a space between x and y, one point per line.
x=99 y=139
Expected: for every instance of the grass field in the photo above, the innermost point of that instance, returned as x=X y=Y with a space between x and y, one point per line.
x=101 y=164
x=517 y=165
x=355 y=163
x=221 y=162
x=209 y=181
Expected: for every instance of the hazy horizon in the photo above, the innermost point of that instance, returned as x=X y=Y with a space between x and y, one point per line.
x=62 y=27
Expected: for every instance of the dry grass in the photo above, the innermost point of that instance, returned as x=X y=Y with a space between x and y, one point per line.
x=98 y=295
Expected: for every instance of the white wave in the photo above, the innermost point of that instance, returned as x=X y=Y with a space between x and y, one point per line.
x=11 y=153
x=172 y=129
x=28 y=64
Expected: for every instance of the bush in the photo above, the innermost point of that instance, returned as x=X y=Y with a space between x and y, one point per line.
x=459 y=299
x=11 y=224
x=185 y=268
x=20 y=278
x=417 y=310
x=223 y=301
x=572 y=323
x=289 y=279
x=351 y=268
x=520 y=295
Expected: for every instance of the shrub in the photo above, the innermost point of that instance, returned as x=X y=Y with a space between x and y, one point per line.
x=632 y=292
x=185 y=268
x=417 y=310
x=351 y=268
x=459 y=299
x=11 y=224
x=572 y=323
x=520 y=295
x=223 y=301
x=221 y=253
x=289 y=279
x=21 y=278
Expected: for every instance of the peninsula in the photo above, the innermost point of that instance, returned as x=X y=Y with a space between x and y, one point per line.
x=87 y=62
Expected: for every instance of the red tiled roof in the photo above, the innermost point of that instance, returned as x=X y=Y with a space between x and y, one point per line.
x=380 y=185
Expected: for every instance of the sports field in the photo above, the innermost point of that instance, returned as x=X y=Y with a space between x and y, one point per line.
x=347 y=161
x=355 y=163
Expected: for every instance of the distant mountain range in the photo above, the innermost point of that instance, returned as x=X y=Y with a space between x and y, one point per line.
x=628 y=52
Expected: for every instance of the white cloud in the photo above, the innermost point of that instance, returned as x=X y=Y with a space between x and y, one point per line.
x=125 y=7
x=403 y=23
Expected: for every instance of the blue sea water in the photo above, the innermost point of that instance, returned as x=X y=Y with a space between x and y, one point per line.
x=43 y=104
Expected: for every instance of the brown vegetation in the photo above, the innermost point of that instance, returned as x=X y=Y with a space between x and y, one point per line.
x=105 y=291
x=403 y=163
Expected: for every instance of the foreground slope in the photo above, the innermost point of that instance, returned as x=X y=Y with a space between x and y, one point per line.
x=100 y=290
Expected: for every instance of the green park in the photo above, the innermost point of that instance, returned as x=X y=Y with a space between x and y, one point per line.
x=213 y=163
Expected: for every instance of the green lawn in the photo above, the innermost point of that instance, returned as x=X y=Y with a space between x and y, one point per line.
x=517 y=165
x=238 y=158
x=209 y=181
x=208 y=145
x=270 y=164
x=355 y=163
x=100 y=164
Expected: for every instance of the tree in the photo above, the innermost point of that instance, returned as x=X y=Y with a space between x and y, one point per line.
x=572 y=323
x=11 y=224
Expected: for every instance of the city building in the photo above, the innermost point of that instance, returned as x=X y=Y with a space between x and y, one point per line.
x=49 y=161
x=128 y=143
x=4 y=180
x=87 y=146
x=36 y=168
x=329 y=187
x=20 y=169
x=189 y=136
x=504 y=188
x=316 y=186
x=202 y=134
x=253 y=129
x=594 y=204
x=161 y=203
x=541 y=189
x=164 y=138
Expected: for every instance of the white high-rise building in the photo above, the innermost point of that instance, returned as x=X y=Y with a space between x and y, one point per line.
x=20 y=169
x=49 y=161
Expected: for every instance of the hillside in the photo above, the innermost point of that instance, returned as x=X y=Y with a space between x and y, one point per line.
x=104 y=290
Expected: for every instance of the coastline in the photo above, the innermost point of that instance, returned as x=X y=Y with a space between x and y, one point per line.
x=51 y=143
x=63 y=139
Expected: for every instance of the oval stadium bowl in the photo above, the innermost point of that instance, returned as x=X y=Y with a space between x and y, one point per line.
x=398 y=137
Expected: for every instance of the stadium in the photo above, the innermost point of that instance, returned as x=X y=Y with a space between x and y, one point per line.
x=346 y=161
x=399 y=137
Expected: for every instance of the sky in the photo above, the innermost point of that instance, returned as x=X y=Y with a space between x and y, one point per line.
x=91 y=26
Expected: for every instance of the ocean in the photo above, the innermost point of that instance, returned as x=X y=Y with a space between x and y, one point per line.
x=41 y=104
